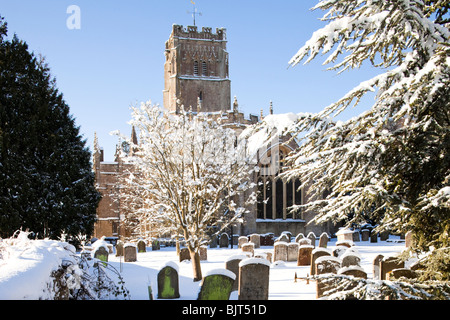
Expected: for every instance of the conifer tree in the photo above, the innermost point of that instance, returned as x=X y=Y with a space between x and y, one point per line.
x=391 y=163
x=46 y=179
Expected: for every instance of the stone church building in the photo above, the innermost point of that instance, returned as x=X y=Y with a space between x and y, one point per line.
x=196 y=74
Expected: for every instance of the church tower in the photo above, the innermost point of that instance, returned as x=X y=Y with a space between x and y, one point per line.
x=196 y=70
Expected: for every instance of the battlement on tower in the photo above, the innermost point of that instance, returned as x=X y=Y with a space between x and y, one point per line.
x=191 y=32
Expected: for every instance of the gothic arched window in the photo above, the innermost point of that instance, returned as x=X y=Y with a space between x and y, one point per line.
x=195 y=68
x=204 y=69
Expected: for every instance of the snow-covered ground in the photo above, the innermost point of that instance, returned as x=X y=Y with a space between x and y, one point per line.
x=137 y=275
x=26 y=266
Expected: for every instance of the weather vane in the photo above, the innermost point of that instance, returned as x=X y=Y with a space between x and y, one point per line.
x=194 y=12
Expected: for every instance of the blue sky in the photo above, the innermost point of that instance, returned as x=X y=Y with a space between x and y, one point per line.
x=116 y=58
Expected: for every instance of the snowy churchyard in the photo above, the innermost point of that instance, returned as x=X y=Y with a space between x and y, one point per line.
x=25 y=270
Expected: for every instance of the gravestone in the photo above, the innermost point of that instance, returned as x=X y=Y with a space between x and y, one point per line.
x=119 y=249
x=213 y=242
x=101 y=254
x=284 y=237
x=217 y=285
x=401 y=272
x=365 y=235
x=203 y=252
x=344 y=235
x=184 y=254
x=339 y=251
x=248 y=247
x=384 y=235
x=345 y=243
x=267 y=239
x=168 y=282
x=254 y=279
x=376 y=266
x=323 y=240
x=311 y=236
x=141 y=246
x=304 y=255
x=355 y=236
x=350 y=259
x=280 y=251
x=317 y=253
x=224 y=241
x=387 y=264
x=327 y=264
x=304 y=242
x=292 y=251
x=232 y=264
x=373 y=237
x=299 y=237
x=129 y=252
x=242 y=240
x=354 y=271
x=156 y=245
x=255 y=239
x=408 y=239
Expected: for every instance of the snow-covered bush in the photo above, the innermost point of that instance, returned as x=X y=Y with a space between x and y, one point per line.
x=342 y=287
x=51 y=270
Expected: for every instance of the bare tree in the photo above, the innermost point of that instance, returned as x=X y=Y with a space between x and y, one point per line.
x=188 y=171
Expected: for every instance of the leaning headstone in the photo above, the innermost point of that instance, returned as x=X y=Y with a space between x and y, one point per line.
x=317 y=253
x=354 y=271
x=304 y=255
x=323 y=240
x=327 y=264
x=292 y=251
x=311 y=236
x=280 y=251
x=101 y=254
x=255 y=239
x=224 y=241
x=129 y=252
x=217 y=285
x=376 y=266
x=242 y=240
x=248 y=247
x=119 y=249
x=141 y=246
x=387 y=264
x=168 y=282
x=365 y=235
x=254 y=279
x=232 y=264
x=384 y=235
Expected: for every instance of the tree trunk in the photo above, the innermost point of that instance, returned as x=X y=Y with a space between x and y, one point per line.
x=196 y=267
